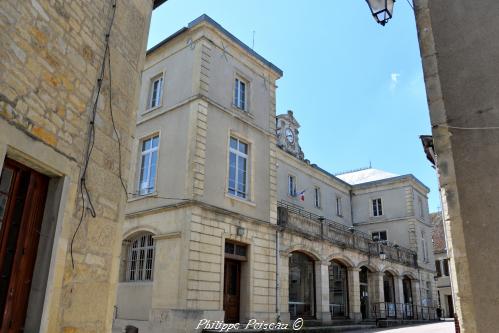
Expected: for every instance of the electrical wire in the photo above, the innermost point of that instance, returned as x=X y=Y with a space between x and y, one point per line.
x=84 y=192
x=467 y=128
x=120 y=174
x=410 y=4
x=152 y=196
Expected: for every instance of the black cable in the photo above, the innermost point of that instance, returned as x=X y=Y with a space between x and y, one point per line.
x=112 y=121
x=410 y=4
x=91 y=141
x=157 y=197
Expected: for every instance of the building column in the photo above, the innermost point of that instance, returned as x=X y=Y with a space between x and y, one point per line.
x=416 y=298
x=399 y=295
x=284 y=315
x=354 y=294
x=378 y=294
x=322 y=290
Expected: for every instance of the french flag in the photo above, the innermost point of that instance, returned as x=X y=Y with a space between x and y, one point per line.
x=301 y=195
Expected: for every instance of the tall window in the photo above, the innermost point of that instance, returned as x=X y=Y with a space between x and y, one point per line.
x=439 y=269
x=424 y=247
x=149 y=159
x=317 y=197
x=292 y=186
x=338 y=206
x=377 y=208
x=338 y=290
x=238 y=168
x=140 y=259
x=446 y=267
x=240 y=94
x=156 y=92
x=421 y=210
x=379 y=236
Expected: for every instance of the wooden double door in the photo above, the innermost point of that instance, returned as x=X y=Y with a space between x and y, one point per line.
x=23 y=193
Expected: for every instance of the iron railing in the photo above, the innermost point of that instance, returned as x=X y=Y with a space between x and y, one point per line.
x=293 y=217
x=408 y=311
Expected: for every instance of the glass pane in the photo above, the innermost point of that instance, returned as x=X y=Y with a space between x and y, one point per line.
x=243 y=95
x=301 y=285
x=241 y=175
x=236 y=93
x=243 y=147
x=146 y=145
x=232 y=171
x=155 y=141
x=152 y=171
x=5 y=180
x=241 y=250
x=229 y=248
x=233 y=143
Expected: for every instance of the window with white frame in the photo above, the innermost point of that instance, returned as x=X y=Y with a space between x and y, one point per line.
x=291 y=186
x=148 y=165
x=155 y=92
x=317 y=197
x=238 y=168
x=339 y=207
x=379 y=236
x=240 y=91
x=140 y=258
x=377 y=207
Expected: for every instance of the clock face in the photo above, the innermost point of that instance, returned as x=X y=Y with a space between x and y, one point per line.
x=290 y=135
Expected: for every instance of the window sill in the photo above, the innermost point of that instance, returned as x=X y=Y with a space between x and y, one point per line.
x=151 y=109
x=143 y=196
x=246 y=112
x=239 y=199
x=137 y=283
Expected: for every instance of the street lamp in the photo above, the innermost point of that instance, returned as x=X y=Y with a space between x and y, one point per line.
x=382 y=10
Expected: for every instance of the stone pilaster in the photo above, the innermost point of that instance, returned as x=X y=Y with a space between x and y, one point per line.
x=399 y=294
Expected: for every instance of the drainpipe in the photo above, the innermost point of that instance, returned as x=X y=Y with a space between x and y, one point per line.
x=277 y=276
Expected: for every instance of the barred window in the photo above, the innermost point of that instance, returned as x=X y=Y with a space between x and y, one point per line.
x=140 y=260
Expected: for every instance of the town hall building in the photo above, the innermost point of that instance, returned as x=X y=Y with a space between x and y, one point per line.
x=230 y=222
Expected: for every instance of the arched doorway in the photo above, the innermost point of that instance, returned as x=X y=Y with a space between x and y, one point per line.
x=301 y=286
x=338 y=290
x=364 y=291
x=407 y=288
x=389 y=291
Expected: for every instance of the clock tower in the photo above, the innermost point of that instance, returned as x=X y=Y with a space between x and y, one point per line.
x=287 y=134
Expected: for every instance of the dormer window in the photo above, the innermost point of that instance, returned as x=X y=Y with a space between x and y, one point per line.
x=240 y=90
x=156 y=92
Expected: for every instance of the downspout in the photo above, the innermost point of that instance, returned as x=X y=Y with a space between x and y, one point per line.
x=277 y=276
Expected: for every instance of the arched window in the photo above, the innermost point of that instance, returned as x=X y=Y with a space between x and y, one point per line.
x=140 y=258
x=301 y=285
x=338 y=289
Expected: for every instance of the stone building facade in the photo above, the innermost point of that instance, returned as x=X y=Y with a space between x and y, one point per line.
x=458 y=47
x=51 y=58
x=228 y=220
x=442 y=275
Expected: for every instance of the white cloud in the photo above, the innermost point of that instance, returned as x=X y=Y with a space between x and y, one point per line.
x=394 y=77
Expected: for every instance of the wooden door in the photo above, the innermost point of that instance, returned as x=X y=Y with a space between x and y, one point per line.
x=22 y=199
x=450 y=306
x=232 y=284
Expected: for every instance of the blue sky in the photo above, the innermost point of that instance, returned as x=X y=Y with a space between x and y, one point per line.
x=356 y=87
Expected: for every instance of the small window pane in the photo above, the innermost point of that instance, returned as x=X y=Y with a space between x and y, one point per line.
x=241 y=250
x=243 y=147
x=229 y=248
x=233 y=143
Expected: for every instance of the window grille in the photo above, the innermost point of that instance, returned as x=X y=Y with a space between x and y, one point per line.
x=140 y=260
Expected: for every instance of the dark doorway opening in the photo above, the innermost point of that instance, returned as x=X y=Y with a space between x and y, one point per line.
x=23 y=192
x=364 y=292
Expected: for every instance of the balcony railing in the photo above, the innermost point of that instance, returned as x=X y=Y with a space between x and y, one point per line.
x=293 y=217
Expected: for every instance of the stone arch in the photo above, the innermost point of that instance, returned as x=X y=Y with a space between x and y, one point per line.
x=309 y=251
x=390 y=270
x=341 y=259
x=138 y=230
x=410 y=275
x=370 y=266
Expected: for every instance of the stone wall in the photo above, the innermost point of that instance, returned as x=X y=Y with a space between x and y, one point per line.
x=459 y=51
x=52 y=52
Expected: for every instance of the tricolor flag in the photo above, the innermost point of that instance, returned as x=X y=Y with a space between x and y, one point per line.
x=301 y=195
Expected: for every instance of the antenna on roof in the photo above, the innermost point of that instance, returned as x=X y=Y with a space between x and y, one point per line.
x=369 y=164
x=253 y=45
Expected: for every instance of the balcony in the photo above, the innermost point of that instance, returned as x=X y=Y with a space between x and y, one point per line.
x=294 y=218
